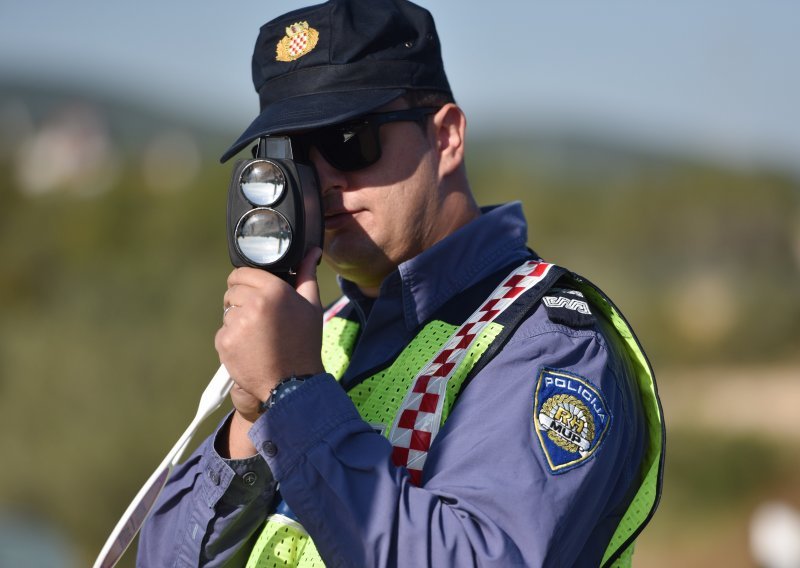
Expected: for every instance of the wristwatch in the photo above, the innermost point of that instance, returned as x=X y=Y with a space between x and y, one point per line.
x=281 y=390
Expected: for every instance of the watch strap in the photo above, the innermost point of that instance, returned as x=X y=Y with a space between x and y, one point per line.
x=281 y=390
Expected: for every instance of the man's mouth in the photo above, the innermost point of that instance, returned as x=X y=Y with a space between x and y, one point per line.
x=333 y=212
x=338 y=216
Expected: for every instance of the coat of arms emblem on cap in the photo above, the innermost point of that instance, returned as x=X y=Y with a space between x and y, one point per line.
x=299 y=40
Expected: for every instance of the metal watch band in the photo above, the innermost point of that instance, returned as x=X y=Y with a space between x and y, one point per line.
x=282 y=389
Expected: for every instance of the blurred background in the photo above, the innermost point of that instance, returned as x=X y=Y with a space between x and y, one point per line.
x=654 y=147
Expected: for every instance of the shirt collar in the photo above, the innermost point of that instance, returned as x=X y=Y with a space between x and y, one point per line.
x=495 y=239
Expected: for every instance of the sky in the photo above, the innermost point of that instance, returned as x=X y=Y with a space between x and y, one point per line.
x=716 y=77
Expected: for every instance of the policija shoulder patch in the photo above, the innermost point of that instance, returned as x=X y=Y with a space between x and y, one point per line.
x=570 y=418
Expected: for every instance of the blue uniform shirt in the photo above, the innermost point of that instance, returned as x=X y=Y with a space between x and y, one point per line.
x=489 y=496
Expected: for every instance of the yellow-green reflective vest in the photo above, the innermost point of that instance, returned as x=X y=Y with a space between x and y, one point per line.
x=284 y=543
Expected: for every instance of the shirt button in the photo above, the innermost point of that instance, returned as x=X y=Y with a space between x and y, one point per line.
x=249 y=478
x=269 y=448
x=213 y=476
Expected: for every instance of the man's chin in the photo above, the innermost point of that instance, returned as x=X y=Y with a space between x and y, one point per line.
x=366 y=268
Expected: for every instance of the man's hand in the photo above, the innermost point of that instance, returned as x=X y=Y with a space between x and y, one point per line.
x=271 y=332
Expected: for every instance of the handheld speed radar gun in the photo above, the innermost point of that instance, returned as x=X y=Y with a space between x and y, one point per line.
x=274 y=219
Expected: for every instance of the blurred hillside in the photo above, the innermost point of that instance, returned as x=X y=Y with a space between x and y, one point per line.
x=112 y=243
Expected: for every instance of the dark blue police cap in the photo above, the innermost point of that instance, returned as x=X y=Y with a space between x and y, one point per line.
x=332 y=62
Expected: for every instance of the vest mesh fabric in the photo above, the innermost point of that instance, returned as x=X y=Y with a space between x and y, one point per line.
x=338 y=339
x=646 y=498
x=284 y=546
x=378 y=398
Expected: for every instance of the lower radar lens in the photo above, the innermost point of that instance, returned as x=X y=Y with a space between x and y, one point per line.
x=263 y=236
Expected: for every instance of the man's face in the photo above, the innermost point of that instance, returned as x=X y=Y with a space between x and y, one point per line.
x=386 y=213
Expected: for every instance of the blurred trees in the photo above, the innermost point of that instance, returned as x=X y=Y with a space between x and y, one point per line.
x=110 y=300
x=703 y=259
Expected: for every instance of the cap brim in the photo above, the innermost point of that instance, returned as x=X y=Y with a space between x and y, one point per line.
x=311 y=111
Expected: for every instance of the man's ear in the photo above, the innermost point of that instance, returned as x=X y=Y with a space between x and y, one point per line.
x=449 y=129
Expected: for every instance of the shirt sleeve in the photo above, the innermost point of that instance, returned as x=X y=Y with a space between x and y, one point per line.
x=208 y=511
x=489 y=496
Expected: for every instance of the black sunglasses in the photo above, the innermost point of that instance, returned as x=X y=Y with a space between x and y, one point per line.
x=355 y=144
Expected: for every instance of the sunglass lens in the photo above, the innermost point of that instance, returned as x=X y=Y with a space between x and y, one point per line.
x=349 y=148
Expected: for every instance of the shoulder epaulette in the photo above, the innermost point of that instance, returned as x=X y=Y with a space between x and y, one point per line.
x=568 y=307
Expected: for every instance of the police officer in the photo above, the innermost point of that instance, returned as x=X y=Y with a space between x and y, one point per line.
x=464 y=403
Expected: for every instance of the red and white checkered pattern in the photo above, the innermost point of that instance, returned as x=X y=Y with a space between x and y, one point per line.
x=420 y=414
x=298 y=43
